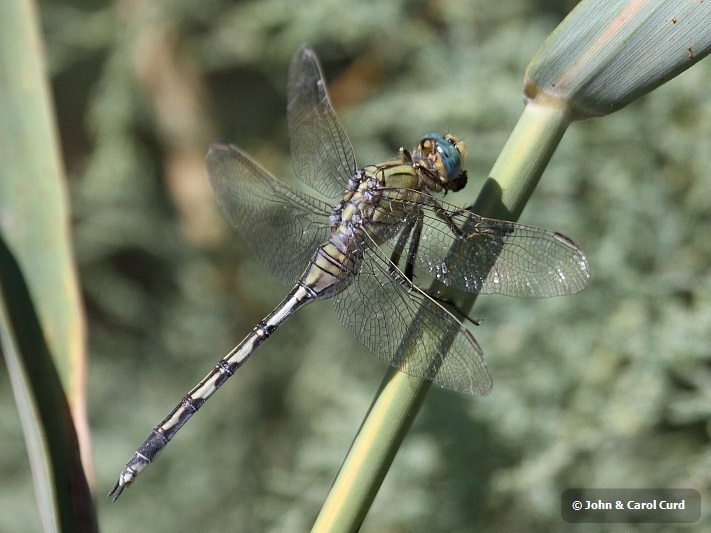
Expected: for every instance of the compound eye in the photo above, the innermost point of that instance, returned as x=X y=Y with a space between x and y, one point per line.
x=458 y=144
x=446 y=155
x=450 y=158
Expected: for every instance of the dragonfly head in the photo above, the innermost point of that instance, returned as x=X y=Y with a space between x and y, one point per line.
x=445 y=155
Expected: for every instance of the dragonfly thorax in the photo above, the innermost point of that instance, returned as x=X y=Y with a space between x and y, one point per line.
x=434 y=165
x=347 y=214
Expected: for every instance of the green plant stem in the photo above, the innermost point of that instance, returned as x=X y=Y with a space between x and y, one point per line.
x=511 y=182
x=520 y=165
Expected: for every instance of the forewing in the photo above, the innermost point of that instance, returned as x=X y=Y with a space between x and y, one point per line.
x=384 y=311
x=482 y=255
x=282 y=226
x=322 y=154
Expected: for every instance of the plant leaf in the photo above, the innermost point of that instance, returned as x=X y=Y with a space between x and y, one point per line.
x=63 y=495
x=606 y=54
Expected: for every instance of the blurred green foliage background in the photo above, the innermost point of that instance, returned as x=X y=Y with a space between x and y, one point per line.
x=608 y=388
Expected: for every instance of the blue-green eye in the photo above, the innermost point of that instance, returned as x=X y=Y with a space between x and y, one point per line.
x=448 y=152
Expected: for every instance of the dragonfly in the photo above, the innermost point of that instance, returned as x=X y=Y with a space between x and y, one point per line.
x=367 y=248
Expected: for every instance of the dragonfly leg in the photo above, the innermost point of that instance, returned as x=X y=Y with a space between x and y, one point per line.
x=448 y=219
x=396 y=256
x=412 y=231
x=452 y=306
x=414 y=246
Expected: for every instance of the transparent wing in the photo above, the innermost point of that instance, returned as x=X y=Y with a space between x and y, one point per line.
x=382 y=309
x=322 y=154
x=282 y=226
x=482 y=255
